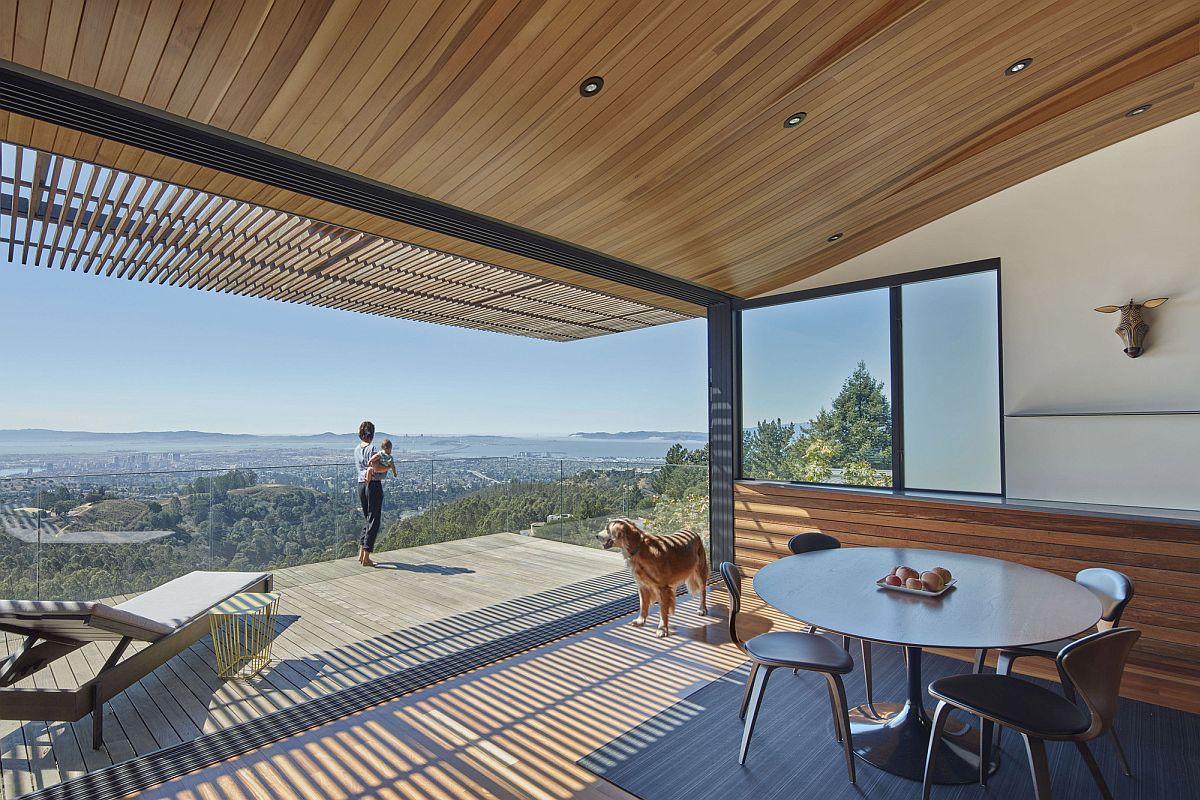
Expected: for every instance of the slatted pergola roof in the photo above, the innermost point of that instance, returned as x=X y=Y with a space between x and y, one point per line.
x=68 y=214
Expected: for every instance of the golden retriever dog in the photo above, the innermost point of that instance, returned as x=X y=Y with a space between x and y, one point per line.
x=659 y=564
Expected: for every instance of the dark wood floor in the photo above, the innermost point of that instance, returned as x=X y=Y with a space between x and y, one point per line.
x=793 y=751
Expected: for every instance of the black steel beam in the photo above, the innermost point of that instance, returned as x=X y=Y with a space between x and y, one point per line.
x=724 y=424
x=44 y=97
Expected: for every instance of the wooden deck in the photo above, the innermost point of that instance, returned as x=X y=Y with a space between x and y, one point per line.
x=516 y=729
x=340 y=625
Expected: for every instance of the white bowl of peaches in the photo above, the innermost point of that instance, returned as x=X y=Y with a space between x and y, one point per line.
x=930 y=583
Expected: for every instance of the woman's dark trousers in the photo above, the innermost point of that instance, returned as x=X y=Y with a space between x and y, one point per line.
x=370 y=494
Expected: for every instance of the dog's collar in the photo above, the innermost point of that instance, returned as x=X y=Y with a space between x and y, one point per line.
x=633 y=553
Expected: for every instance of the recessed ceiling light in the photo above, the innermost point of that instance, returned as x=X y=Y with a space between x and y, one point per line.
x=1013 y=69
x=1139 y=110
x=834 y=238
x=591 y=86
x=795 y=119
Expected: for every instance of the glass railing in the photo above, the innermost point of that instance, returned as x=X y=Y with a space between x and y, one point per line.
x=104 y=536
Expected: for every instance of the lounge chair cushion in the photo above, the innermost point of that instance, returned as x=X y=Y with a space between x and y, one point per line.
x=178 y=602
x=80 y=621
x=147 y=617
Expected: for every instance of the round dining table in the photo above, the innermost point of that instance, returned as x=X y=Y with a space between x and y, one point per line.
x=993 y=604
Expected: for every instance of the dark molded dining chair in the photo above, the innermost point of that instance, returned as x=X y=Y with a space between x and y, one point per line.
x=790 y=650
x=1114 y=590
x=1092 y=666
x=810 y=543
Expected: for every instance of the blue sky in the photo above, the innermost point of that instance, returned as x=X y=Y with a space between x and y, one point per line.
x=796 y=357
x=85 y=352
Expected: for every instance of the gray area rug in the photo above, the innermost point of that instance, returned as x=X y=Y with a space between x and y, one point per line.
x=689 y=751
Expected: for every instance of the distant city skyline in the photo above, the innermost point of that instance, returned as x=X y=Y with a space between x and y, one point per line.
x=91 y=353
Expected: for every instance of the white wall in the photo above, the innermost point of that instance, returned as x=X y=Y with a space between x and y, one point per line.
x=1121 y=222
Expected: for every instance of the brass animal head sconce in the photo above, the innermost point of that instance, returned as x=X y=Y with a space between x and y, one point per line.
x=1133 y=328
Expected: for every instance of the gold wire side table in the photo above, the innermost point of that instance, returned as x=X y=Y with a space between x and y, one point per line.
x=243 y=629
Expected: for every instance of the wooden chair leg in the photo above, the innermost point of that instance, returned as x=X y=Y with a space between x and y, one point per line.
x=868 y=679
x=1004 y=662
x=1094 y=768
x=985 y=749
x=940 y=717
x=980 y=660
x=835 y=712
x=1039 y=768
x=838 y=689
x=746 y=693
x=1120 y=752
x=760 y=685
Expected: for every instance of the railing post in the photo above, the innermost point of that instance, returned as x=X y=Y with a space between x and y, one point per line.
x=724 y=424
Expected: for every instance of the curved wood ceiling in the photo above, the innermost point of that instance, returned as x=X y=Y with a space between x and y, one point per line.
x=681 y=163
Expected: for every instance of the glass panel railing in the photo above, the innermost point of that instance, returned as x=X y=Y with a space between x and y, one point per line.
x=99 y=536
x=680 y=500
x=21 y=519
x=107 y=536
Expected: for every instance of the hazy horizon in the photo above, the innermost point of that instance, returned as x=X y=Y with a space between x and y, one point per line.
x=97 y=354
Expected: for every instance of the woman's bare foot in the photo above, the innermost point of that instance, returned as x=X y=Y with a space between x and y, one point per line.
x=366 y=559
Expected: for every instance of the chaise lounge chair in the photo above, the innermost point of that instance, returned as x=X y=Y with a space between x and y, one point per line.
x=170 y=617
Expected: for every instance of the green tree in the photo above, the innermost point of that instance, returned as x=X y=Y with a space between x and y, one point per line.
x=769 y=451
x=858 y=426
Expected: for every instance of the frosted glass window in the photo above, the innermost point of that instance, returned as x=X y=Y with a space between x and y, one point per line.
x=952 y=384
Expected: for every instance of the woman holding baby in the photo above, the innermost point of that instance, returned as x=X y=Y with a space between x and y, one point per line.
x=373 y=465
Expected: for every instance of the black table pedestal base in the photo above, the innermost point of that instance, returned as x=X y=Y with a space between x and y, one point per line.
x=895 y=738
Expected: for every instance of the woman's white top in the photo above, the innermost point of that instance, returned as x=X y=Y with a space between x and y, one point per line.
x=362 y=457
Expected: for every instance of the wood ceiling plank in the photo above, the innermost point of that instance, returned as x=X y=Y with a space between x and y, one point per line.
x=577 y=137
x=299 y=33
x=91 y=39
x=196 y=39
x=258 y=58
x=249 y=22
x=65 y=18
x=32 y=25
x=181 y=48
x=339 y=35
x=341 y=90
x=406 y=69
x=950 y=196
x=681 y=163
x=8 y=28
x=754 y=213
x=119 y=46
x=147 y=61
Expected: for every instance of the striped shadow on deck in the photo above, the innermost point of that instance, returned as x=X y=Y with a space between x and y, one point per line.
x=450 y=647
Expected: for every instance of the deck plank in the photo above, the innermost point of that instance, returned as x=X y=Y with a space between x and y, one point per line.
x=340 y=625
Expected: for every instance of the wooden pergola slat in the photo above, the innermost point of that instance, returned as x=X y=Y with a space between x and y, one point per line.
x=65 y=212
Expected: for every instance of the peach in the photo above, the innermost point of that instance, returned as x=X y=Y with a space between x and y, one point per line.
x=913 y=583
x=945 y=573
x=933 y=582
x=892 y=580
x=904 y=573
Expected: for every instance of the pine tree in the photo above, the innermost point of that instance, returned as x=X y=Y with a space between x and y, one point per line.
x=769 y=451
x=858 y=428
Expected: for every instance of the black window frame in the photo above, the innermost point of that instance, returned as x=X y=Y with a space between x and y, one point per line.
x=894 y=284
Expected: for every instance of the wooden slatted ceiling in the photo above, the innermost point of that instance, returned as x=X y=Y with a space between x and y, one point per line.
x=681 y=163
x=64 y=213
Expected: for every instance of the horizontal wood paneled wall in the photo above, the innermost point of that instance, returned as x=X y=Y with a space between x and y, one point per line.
x=1163 y=559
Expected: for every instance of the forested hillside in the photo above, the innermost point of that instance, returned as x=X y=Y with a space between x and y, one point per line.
x=231 y=521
